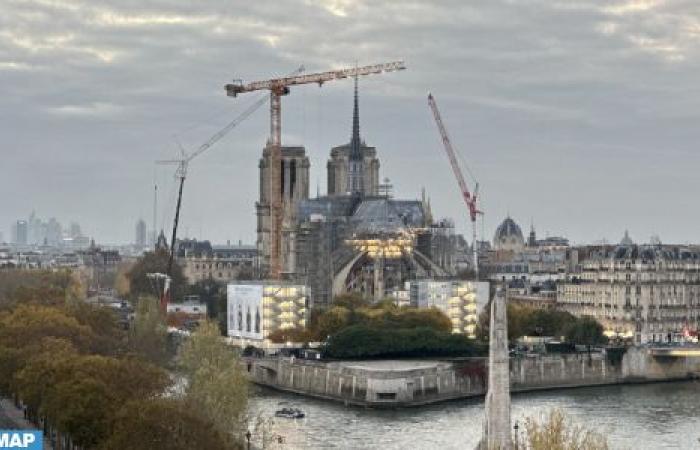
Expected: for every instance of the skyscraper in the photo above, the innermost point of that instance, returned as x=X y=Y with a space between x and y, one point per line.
x=140 y=233
x=21 y=232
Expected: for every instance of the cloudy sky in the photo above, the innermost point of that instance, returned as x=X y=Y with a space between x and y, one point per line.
x=582 y=116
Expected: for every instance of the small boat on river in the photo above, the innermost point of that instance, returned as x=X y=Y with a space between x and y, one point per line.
x=290 y=413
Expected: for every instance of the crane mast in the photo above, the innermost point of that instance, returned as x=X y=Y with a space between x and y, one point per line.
x=279 y=87
x=467 y=196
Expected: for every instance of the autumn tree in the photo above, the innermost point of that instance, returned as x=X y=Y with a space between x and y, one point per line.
x=163 y=423
x=217 y=384
x=556 y=432
x=148 y=334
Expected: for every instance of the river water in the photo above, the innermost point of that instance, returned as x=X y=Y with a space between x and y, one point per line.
x=652 y=416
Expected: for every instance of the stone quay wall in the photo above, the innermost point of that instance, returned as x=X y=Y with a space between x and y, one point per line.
x=411 y=383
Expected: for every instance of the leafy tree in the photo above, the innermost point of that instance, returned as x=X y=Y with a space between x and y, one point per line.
x=148 y=335
x=351 y=301
x=217 y=384
x=154 y=262
x=210 y=292
x=281 y=336
x=556 y=432
x=361 y=341
x=331 y=321
x=33 y=286
x=586 y=331
x=163 y=423
x=109 y=337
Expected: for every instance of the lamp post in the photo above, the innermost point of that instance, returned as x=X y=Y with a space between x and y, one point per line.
x=248 y=435
x=515 y=427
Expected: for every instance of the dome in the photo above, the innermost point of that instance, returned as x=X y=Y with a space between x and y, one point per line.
x=626 y=239
x=508 y=236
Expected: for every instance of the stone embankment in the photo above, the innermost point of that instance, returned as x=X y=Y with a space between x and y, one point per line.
x=391 y=383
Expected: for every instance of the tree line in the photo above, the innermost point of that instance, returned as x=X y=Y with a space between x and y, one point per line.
x=90 y=384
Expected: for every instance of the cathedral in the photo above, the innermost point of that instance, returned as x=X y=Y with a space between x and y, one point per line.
x=355 y=238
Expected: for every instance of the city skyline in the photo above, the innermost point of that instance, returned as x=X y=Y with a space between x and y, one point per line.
x=580 y=117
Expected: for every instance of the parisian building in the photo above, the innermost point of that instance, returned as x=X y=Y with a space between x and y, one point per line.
x=200 y=260
x=647 y=292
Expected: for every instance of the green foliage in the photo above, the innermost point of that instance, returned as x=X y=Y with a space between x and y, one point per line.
x=361 y=341
x=528 y=321
x=148 y=335
x=352 y=309
x=557 y=433
x=586 y=331
x=217 y=386
x=163 y=423
x=281 y=336
x=33 y=286
x=154 y=262
x=351 y=301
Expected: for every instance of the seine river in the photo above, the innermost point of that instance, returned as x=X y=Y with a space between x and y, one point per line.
x=653 y=416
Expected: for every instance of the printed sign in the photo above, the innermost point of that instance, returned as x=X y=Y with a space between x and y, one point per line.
x=27 y=439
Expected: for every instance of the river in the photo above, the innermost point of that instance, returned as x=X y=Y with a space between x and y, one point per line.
x=651 y=416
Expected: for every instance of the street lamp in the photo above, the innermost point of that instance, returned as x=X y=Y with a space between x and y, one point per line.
x=248 y=435
x=515 y=427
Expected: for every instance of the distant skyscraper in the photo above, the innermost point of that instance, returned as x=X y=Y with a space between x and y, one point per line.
x=75 y=230
x=140 y=233
x=21 y=232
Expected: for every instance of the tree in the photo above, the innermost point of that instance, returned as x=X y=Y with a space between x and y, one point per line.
x=163 y=423
x=217 y=385
x=281 y=336
x=556 y=432
x=586 y=331
x=210 y=293
x=154 y=262
x=331 y=321
x=351 y=301
x=148 y=335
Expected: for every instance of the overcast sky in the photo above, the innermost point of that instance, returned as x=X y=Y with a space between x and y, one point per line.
x=582 y=116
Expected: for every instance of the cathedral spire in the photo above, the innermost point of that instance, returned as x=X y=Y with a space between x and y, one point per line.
x=355 y=145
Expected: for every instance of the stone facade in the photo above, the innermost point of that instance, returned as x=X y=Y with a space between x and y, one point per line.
x=295 y=187
x=647 y=292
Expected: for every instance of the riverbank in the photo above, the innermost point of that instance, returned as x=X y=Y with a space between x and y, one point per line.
x=407 y=383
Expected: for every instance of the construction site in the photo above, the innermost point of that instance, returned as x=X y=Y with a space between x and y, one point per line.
x=359 y=237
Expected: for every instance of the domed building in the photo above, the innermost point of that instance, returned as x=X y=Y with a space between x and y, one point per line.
x=508 y=237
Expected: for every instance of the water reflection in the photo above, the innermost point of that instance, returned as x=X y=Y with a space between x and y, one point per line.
x=655 y=416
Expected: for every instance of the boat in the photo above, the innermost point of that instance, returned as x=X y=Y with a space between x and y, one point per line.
x=290 y=413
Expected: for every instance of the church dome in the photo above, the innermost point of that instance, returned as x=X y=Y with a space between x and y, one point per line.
x=508 y=236
x=626 y=239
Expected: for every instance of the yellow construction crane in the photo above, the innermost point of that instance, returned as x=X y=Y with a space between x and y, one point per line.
x=279 y=87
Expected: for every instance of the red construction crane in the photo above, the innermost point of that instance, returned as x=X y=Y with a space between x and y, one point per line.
x=279 y=87
x=469 y=198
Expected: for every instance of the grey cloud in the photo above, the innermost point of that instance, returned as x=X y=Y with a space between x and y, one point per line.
x=579 y=114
